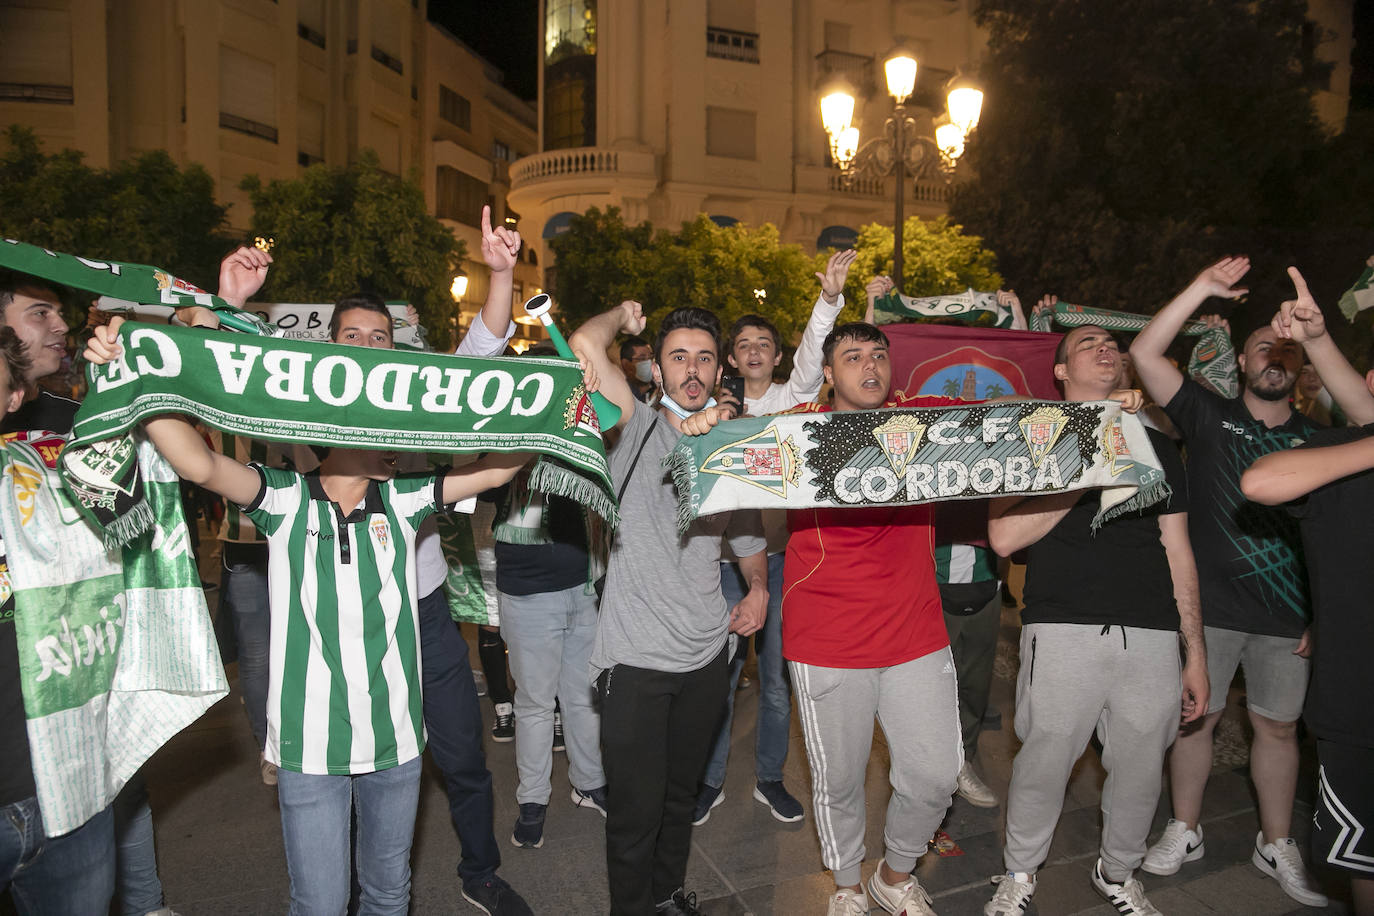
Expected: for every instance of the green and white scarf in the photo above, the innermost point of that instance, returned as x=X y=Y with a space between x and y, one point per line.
x=909 y=455
x=124 y=285
x=1360 y=296
x=332 y=395
x=981 y=309
x=470 y=584
x=1213 y=360
x=116 y=650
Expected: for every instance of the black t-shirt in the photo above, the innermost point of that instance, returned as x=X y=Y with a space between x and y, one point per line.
x=47 y=412
x=1337 y=522
x=1118 y=576
x=534 y=569
x=1249 y=557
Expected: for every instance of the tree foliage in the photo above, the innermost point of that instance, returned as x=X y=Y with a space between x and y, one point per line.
x=145 y=210
x=937 y=258
x=1119 y=154
x=339 y=231
x=602 y=261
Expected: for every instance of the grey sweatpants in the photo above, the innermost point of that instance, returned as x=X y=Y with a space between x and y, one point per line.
x=1075 y=678
x=917 y=705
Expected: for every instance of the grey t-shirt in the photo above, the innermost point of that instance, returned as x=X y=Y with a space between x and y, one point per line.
x=663 y=607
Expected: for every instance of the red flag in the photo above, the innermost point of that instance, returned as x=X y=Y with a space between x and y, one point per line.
x=975 y=364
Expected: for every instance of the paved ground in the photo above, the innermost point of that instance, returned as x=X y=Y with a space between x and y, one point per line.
x=220 y=848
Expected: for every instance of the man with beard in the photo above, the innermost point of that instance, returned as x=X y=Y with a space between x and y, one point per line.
x=660 y=648
x=1253 y=587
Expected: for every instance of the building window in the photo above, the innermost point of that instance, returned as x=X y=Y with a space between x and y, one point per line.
x=730 y=45
x=36 y=65
x=247 y=94
x=500 y=151
x=454 y=108
x=569 y=29
x=569 y=108
x=730 y=132
x=310 y=35
x=386 y=60
x=459 y=196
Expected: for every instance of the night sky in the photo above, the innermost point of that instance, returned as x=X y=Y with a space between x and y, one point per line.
x=505 y=32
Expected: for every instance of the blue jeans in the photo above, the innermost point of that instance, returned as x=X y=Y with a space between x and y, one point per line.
x=244 y=595
x=137 y=887
x=70 y=874
x=316 y=814
x=775 y=690
x=453 y=721
x=549 y=637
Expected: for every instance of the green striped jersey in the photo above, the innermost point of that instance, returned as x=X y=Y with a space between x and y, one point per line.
x=344 y=691
x=237 y=528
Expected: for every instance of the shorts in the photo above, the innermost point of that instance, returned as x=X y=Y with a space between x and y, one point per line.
x=1275 y=678
x=1343 y=819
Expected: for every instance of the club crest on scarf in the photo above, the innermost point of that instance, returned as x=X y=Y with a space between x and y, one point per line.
x=764 y=460
x=1041 y=430
x=899 y=438
x=1118 y=452
x=579 y=415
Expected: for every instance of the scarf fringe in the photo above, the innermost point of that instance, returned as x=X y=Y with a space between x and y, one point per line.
x=123 y=530
x=681 y=463
x=560 y=480
x=1144 y=497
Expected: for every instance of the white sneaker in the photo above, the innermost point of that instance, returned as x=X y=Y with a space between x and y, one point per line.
x=848 y=903
x=974 y=790
x=1176 y=846
x=1014 y=890
x=1282 y=862
x=1128 y=897
x=905 y=899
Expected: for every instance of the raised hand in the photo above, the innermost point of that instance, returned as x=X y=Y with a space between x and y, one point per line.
x=1221 y=278
x=879 y=287
x=500 y=246
x=1131 y=399
x=633 y=321
x=1299 y=319
x=103 y=344
x=1008 y=299
x=1216 y=321
x=242 y=274
x=836 y=270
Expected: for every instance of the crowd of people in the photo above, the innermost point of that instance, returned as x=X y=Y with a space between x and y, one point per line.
x=1131 y=632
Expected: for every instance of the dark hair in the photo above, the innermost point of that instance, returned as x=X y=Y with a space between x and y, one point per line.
x=631 y=343
x=1061 y=351
x=694 y=319
x=12 y=281
x=857 y=331
x=544 y=348
x=367 y=302
x=754 y=321
x=16 y=358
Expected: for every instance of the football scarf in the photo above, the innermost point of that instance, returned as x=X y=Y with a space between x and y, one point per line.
x=1360 y=296
x=964 y=308
x=1213 y=360
x=331 y=395
x=910 y=455
x=116 y=650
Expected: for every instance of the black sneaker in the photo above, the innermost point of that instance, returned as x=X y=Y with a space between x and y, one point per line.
x=558 y=744
x=681 y=905
x=495 y=897
x=784 y=807
x=592 y=798
x=708 y=798
x=529 y=826
x=503 y=729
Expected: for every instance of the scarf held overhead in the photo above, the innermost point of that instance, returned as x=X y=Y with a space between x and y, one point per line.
x=910 y=455
x=331 y=395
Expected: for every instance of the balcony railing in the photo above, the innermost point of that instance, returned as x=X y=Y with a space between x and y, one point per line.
x=933 y=192
x=36 y=92
x=727 y=44
x=581 y=161
x=857 y=68
x=245 y=126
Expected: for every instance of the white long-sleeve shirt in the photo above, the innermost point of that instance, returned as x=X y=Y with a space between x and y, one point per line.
x=805 y=381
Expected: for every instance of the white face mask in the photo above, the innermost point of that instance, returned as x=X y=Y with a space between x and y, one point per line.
x=644 y=370
x=681 y=412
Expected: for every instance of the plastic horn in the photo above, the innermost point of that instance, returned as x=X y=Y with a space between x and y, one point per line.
x=607 y=414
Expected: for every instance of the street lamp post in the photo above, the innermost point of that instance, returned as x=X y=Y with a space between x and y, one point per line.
x=901 y=147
